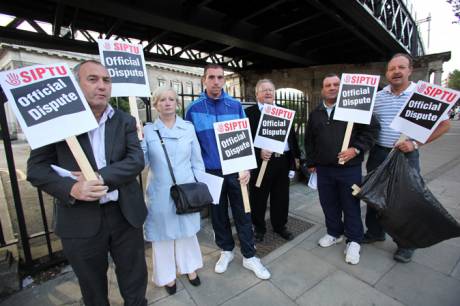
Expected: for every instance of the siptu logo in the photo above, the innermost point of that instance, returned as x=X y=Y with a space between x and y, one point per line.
x=107 y=46
x=268 y=109
x=421 y=88
x=220 y=128
x=13 y=79
x=347 y=78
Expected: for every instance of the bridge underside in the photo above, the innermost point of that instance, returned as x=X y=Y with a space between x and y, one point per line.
x=238 y=34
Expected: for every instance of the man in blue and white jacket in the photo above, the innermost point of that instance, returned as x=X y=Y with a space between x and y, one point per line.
x=215 y=105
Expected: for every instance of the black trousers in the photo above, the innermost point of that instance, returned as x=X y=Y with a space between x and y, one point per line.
x=276 y=185
x=231 y=194
x=89 y=259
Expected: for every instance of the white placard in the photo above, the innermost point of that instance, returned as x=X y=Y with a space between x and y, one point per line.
x=355 y=101
x=234 y=143
x=126 y=65
x=273 y=129
x=213 y=182
x=424 y=110
x=47 y=102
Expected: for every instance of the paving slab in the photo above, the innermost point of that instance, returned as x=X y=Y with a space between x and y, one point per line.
x=446 y=191
x=374 y=263
x=415 y=284
x=297 y=271
x=311 y=241
x=441 y=257
x=340 y=288
x=63 y=290
x=456 y=271
x=181 y=298
x=218 y=288
x=264 y=293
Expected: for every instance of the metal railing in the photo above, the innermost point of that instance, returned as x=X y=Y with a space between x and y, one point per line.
x=37 y=250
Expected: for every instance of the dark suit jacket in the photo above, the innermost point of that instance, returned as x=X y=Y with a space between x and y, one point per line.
x=125 y=160
x=253 y=114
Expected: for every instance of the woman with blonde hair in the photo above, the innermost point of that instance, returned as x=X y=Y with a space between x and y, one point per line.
x=173 y=237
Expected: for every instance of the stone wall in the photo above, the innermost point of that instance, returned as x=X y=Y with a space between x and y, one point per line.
x=309 y=80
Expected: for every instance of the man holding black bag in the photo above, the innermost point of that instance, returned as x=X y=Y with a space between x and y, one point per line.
x=388 y=102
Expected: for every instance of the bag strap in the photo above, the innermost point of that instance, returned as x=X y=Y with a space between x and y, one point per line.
x=167 y=158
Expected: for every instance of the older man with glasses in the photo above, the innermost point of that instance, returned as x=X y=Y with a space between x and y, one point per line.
x=276 y=179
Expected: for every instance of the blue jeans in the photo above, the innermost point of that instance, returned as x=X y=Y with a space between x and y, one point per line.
x=334 y=188
x=231 y=191
x=376 y=156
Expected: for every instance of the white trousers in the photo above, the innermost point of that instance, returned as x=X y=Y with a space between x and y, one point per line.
x=170 y=257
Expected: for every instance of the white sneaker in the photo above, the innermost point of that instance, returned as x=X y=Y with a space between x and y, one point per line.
x=257 y=267
x=352 y=253
x=225 y=258
x=329 y=240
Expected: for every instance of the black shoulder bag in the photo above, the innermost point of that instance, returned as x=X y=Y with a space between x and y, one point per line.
x=189 y=197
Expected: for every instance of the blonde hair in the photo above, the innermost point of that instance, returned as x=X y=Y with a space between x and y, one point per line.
x=160 y=91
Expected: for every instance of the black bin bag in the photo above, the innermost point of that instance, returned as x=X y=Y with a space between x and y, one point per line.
x=408 y=211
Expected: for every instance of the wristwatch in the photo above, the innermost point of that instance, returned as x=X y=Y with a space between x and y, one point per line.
x=415 y=144
x=357 y=151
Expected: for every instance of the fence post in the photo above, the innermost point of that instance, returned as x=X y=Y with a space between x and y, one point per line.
x=14 y=182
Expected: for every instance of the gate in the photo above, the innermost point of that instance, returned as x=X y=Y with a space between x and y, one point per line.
x=39 y=248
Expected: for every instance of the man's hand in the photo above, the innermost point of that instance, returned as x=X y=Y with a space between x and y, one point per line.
x=346 y=155
x=265 y=154
x=244 y=177
x=405 y=146
x=88 y=190
x=297 y=163
x=311 y=170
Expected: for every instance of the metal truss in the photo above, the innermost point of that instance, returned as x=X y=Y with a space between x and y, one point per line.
x=394 y=16
x=186 y=55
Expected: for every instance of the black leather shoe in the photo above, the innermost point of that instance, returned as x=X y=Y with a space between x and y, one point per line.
x=368 y=238
x=285 y=234
x=171 y=290
x=258 y=237
x=194 y=282
x=403 y=255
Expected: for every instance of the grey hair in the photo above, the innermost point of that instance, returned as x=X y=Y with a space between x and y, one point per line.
x=160 y=91
x=76 y=69
x=261 y=81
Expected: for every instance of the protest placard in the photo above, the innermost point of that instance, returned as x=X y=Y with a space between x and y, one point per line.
x=126 y=65
x=49 y=107
x=355 y=102
x=236 y=151
x=272 y=132
x=424 y=110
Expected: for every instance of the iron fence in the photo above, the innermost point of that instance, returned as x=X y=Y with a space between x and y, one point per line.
x=38 y=247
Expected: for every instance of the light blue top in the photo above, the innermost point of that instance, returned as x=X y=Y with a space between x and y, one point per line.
x=387 y=106
x=185 y=154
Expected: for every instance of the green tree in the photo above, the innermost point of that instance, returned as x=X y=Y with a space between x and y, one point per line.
x=454 y=80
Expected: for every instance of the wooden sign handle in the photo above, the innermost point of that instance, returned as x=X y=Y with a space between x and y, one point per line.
x=260 y=177
x=135 y=113
x=346 y=140
x=82 y=160
x=244 y=192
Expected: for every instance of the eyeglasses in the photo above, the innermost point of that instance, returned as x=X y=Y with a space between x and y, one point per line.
x=267 y=90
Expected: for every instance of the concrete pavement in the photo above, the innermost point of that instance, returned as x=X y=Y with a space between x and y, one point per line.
x=305 y=274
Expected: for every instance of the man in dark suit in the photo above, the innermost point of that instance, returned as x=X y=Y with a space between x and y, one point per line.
x=276 y=179
x=97 y=217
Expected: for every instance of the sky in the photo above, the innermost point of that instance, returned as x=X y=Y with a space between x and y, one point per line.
x=444 y=34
